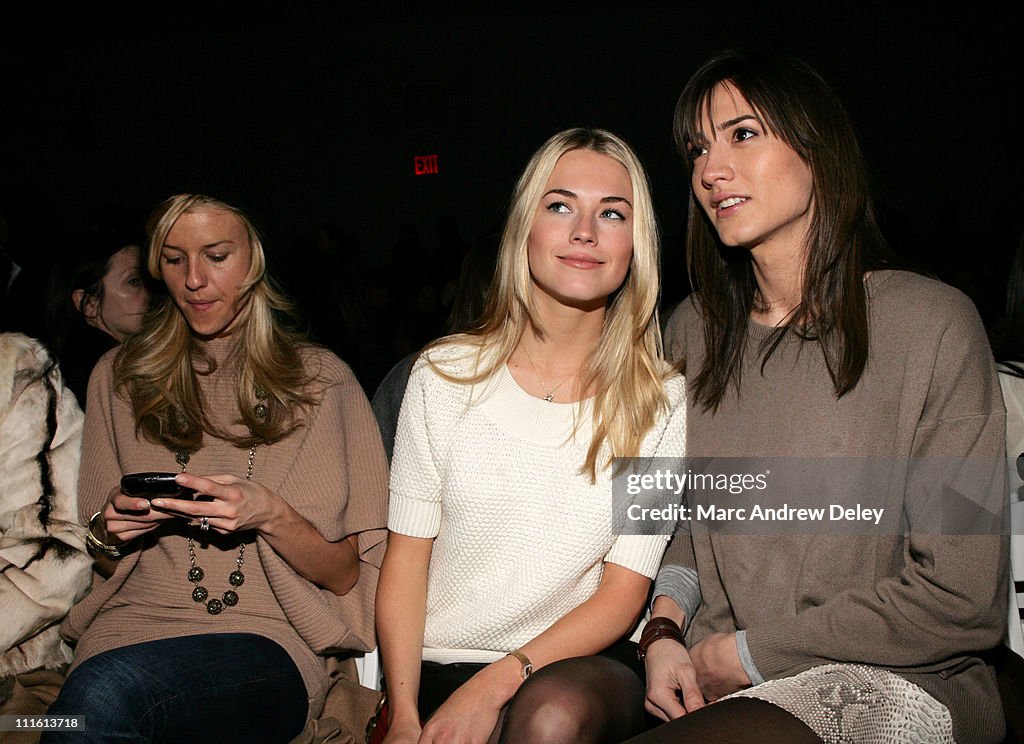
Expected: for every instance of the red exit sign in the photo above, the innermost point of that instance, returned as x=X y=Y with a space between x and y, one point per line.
x=425 y=165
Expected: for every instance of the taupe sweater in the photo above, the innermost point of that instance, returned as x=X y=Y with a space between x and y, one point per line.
x=331 y=470
x=916 y=600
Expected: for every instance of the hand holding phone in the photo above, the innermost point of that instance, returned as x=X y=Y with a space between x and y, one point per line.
x=155 y=484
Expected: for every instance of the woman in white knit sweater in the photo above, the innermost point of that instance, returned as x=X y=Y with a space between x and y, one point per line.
x=503 y=558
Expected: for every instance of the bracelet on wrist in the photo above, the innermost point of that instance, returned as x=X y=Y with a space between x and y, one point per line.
x=97 y=545
x=656 y=629
x=524 y=661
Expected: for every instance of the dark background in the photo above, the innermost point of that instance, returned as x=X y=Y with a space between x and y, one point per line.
x=305 y=119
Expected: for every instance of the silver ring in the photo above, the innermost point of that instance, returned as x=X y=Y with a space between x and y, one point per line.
x=204 y=523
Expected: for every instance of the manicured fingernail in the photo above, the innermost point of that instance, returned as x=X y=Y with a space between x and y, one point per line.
x=158 y=503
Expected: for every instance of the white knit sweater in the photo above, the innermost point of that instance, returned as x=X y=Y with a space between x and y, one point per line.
x=521 y=536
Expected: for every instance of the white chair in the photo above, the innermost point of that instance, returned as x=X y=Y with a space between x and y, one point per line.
x=368 y=667
x=1011 y=380
x=1015 y=626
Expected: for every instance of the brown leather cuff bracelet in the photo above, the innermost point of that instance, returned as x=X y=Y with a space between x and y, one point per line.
x=656 y=629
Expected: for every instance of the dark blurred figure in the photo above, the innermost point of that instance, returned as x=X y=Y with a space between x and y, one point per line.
x=474 y=280
x=675 y=279
x=1008 y=332
x=8 y=269
x=21 y=284
x=448 y=261
x=329 y=292
x=468 y=303
x=415 y=314
x=97 y=297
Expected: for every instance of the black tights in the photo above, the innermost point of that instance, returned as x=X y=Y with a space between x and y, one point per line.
x=732 y=721
x=587 y=700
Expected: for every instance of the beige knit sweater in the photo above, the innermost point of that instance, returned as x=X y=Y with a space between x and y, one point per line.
x=331 y=470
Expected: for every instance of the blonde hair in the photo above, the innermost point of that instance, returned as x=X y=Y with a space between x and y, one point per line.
x=626 y=371
x=157 y=367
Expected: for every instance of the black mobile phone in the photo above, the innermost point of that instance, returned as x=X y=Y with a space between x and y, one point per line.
x=155 y=484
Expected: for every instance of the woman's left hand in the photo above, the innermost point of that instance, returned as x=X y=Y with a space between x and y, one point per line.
x=237 y=504
x=717 y=662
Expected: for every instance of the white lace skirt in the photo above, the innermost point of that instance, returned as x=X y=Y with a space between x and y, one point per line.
x=855 y=704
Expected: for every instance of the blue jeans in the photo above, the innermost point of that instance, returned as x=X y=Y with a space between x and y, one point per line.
x=223 y=687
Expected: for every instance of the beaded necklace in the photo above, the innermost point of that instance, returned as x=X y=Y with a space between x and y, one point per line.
x=195 y=573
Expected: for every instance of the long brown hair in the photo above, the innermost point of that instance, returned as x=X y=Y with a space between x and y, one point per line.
x=844 y=240
x=158 y=366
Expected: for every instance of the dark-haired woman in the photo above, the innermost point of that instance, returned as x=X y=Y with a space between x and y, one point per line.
x=218 y=611
x=800 y=344
x=97 y=299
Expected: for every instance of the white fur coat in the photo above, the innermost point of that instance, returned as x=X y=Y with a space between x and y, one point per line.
x=44 y=566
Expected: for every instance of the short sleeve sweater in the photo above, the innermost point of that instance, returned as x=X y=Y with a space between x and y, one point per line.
x=521 y=535
x=332 y=470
